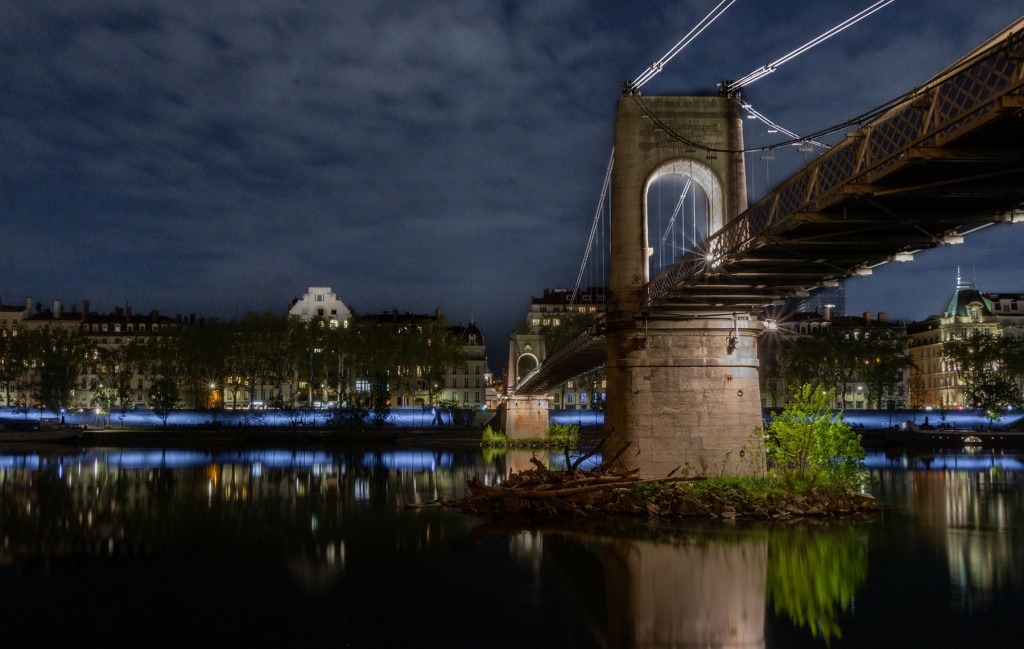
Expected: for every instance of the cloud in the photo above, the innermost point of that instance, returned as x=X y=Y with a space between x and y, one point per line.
x=228 y=155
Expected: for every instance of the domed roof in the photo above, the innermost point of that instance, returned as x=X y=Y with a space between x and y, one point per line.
x=964 y=298
x=471 y=335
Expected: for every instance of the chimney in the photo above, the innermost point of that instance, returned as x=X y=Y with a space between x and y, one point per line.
x=883 y=317
x=828 y=312
x=28 y=306
x=867 y=317
x=56 y=309
x=85 y=308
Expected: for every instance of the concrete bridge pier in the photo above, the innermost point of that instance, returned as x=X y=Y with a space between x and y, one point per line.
x=687 y=396
x=526 y=416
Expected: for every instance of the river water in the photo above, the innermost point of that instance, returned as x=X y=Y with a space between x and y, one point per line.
x=193 y=548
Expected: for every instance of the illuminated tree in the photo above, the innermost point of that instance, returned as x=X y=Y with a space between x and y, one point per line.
x=14 y=362
x=202 y=359
x=256 y=349
x=58 y=355
x=114 y=369
x=164 y=397
x=806 y=444
x=563 y=328
x=885 y=362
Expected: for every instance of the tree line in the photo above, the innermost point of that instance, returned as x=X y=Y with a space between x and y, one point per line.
x=987 y=366
x=358 y=364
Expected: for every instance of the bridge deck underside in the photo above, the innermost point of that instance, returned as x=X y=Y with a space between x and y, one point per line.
x=938 y=164
x=586 y=353
x=929 y=198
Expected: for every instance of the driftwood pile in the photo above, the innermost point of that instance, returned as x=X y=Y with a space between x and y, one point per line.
x=573 y=490
x=608 y=489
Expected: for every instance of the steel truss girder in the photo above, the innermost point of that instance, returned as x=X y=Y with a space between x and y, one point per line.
x=979 y=91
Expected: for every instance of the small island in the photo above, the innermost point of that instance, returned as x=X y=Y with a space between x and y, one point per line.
x=811 y=464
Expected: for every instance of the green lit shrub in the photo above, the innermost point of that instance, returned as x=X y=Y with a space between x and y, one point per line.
x=491 y=436
x=807 y=446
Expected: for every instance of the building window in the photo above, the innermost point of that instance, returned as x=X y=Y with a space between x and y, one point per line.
x=362 y=385
x=568 y=397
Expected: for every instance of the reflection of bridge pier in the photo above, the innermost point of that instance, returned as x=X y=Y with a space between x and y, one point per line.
x=692 y=593
x=686 y=595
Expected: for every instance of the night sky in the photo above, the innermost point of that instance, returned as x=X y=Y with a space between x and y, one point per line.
x=219 y=157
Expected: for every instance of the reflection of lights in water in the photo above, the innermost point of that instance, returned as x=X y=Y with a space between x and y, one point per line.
x=314 y=523
x=361 y=489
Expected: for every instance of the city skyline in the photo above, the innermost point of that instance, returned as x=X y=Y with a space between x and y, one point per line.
x=224 y=159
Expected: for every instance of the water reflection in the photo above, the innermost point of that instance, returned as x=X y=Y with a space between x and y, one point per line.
x=332 y=528
x=312 y=508
x=704 y=585
x=969 y=507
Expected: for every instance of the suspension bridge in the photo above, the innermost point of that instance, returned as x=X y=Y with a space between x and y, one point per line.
x=692 y=269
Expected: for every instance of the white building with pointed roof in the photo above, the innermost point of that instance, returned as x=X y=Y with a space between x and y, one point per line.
x=320 y=302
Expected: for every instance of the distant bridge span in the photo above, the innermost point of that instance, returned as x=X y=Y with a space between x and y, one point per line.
x=680 y=350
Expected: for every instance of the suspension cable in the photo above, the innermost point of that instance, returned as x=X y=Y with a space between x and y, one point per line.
x=658 y=65
x=772 y=126
x=774 y=65
x=594 y=227
x=676 y=211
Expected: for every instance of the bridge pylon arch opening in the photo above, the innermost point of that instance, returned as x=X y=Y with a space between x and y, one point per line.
x=683 y=204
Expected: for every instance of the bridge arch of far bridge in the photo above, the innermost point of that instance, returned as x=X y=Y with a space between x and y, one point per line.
x=526 y=363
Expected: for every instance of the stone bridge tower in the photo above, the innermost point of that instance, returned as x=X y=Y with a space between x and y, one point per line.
x=524 y=416
x=682 y=388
